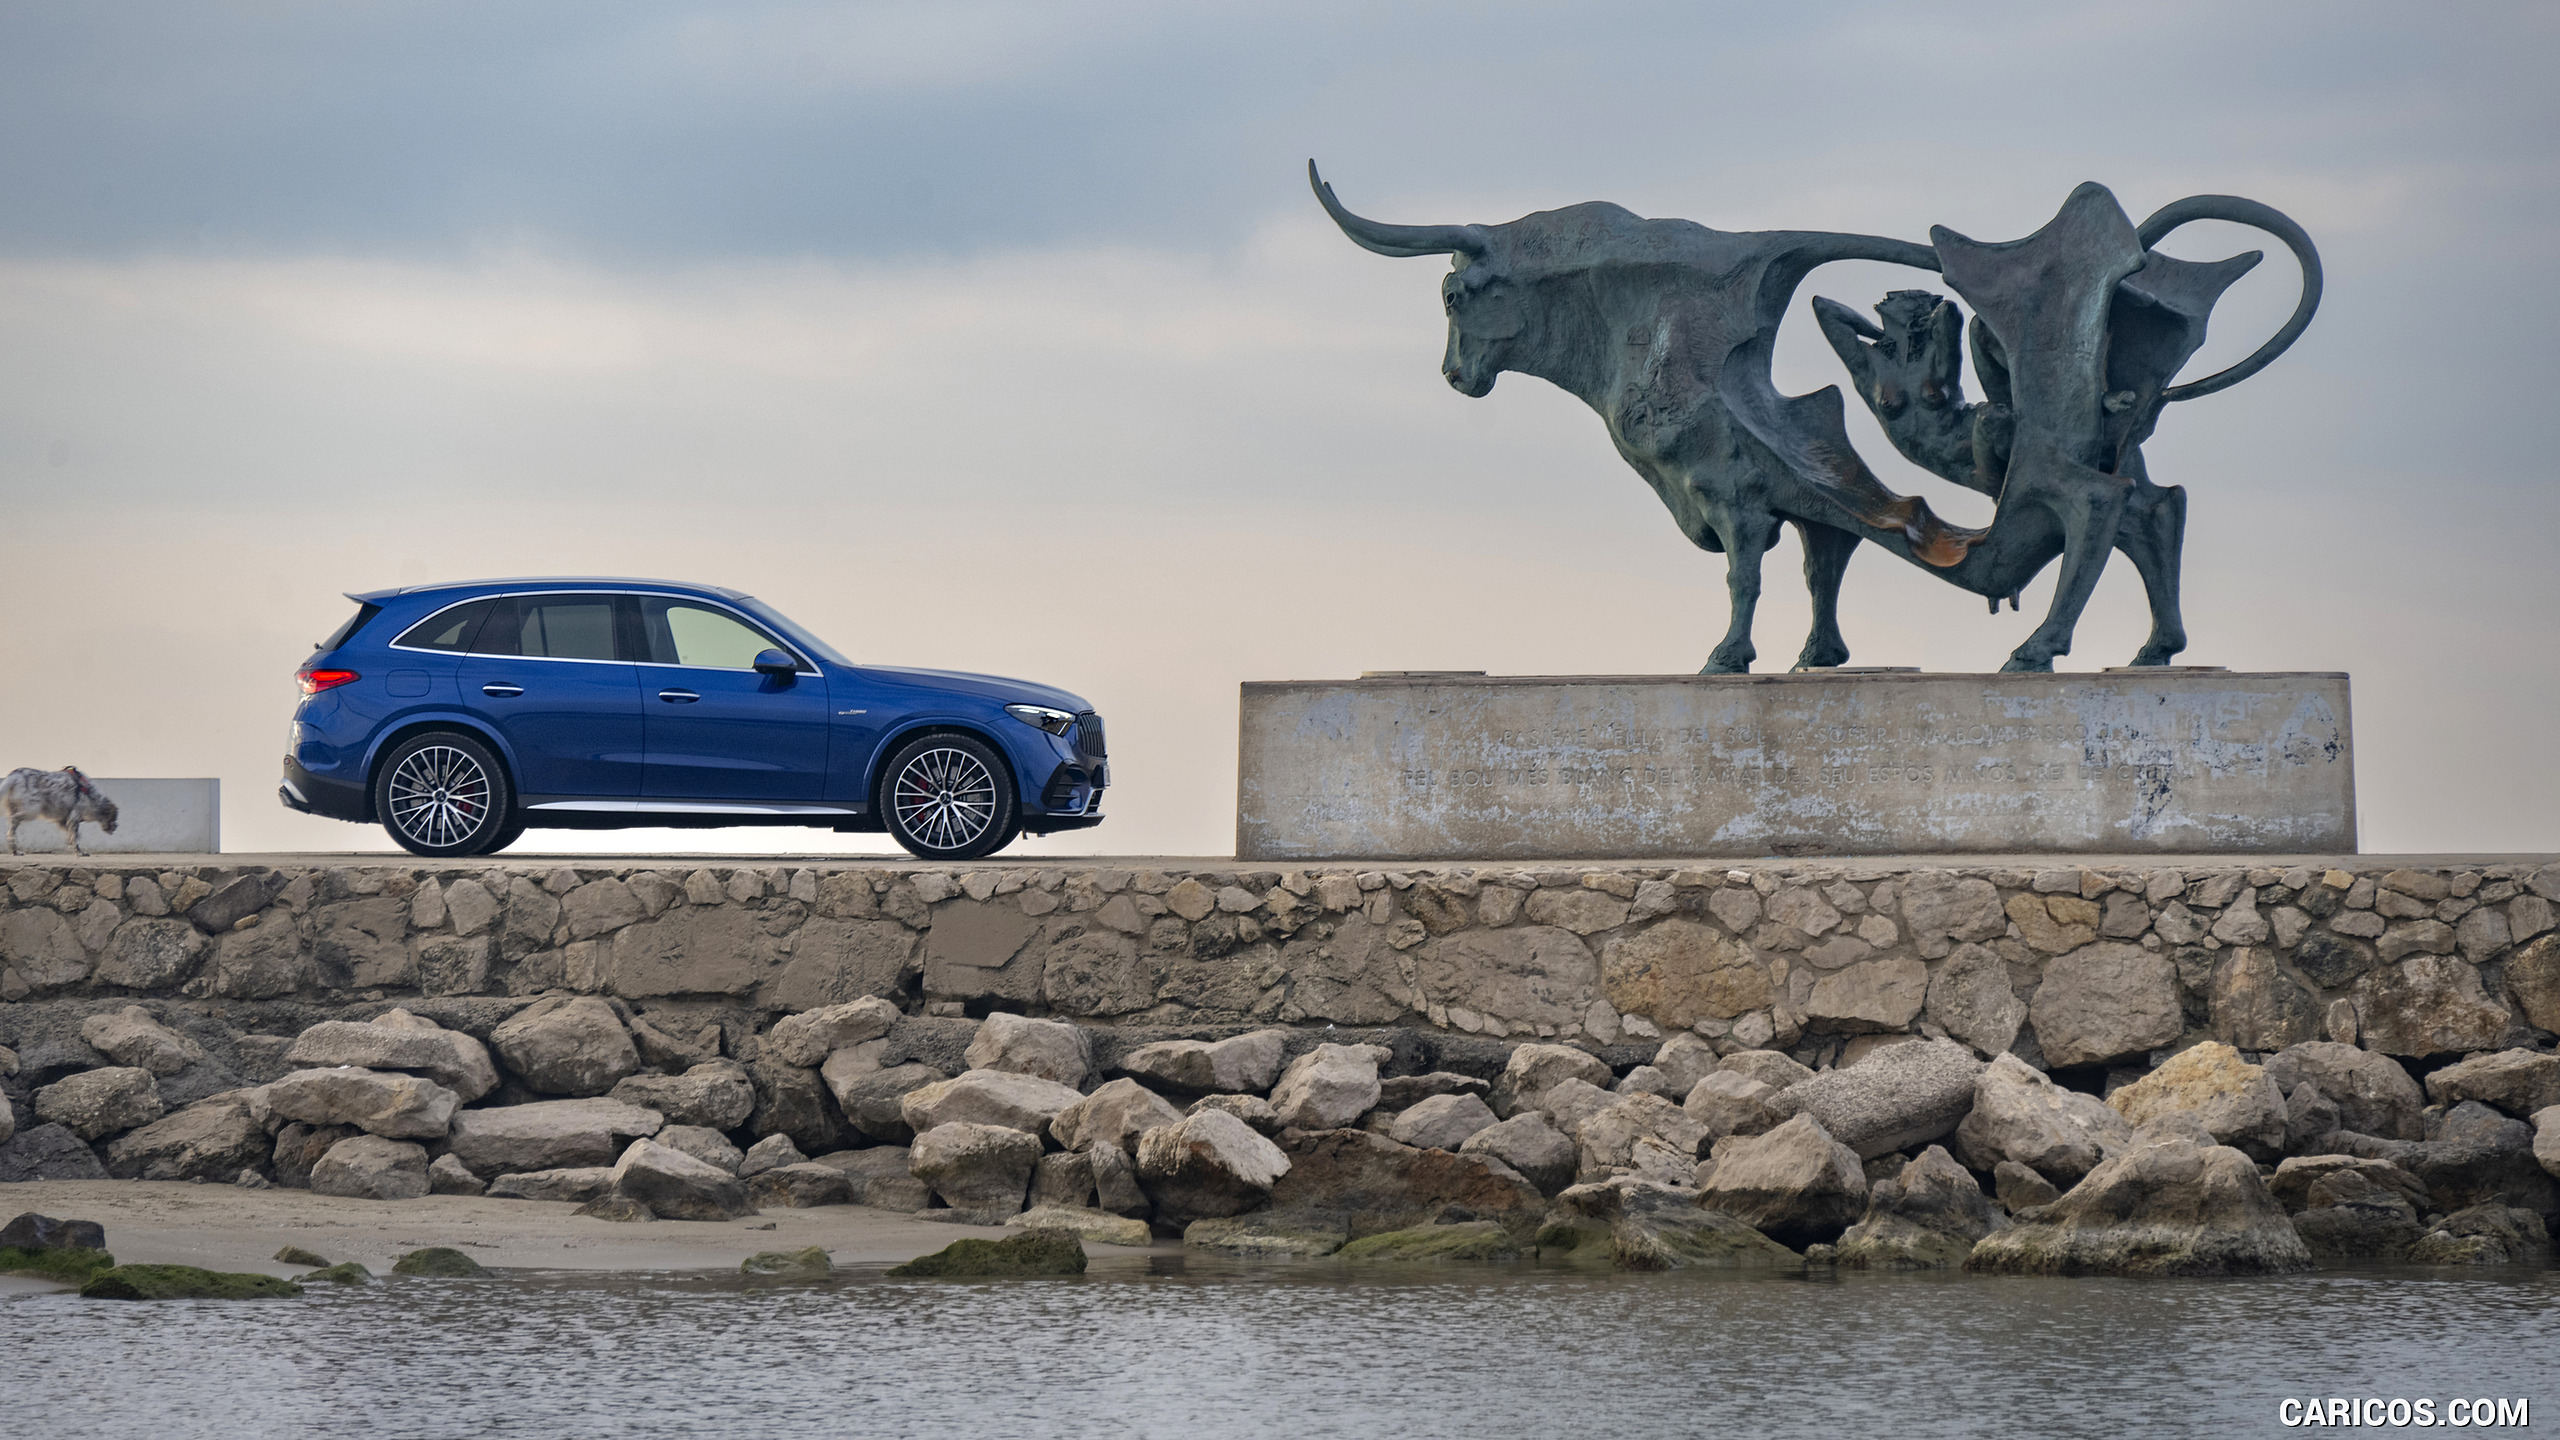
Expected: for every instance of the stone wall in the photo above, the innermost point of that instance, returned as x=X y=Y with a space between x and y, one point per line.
x=2066 y=965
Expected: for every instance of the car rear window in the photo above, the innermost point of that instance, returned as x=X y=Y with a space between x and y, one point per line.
x=557 y=627
x=449 y=629
x=346 y=632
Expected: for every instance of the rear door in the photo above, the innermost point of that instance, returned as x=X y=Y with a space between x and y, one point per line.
x=716 y=729
x=546 y=672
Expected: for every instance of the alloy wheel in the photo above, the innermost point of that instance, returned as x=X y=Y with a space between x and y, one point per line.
x=945 y=798
x=439 y=795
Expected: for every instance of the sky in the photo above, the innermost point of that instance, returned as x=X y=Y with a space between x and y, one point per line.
x=1007 y=337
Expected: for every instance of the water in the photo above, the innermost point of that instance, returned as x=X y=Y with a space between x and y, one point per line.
x=1183 y=1347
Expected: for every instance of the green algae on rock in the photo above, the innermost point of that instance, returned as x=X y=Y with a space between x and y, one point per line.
x=1100 y=1227
x=808 y=1264
x=1036 y=1252
x=440 y=1262
x=183 y=1282
x=345 y=1272
x=1574 y=1239
x=1480 y=1240
x=1679 y=1238
x=1270 y=1234
x=70 y=1265
x=296 y=1255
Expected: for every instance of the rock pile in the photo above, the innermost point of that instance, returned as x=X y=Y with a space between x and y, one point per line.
x=2135 y=1071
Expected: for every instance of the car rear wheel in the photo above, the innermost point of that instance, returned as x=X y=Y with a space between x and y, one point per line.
x=443 y=794
x=949 y=797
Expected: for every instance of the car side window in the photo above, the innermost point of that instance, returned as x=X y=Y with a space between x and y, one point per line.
x=680 y=633
x=556 y=627
x=447 y=630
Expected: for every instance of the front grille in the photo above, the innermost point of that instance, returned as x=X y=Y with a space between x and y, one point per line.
x=1089 y=736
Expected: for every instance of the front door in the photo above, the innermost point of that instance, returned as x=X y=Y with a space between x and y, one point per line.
x=718 y=730
x=545 y=671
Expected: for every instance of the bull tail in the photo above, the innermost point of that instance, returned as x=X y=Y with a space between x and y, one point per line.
x=2260 y=217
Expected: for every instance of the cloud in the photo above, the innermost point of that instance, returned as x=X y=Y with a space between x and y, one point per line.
x=1008 y=338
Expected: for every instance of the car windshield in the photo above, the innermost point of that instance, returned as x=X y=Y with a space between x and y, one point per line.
x=782 y=622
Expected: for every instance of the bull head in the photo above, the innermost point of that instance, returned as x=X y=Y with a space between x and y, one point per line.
x=1486 y=316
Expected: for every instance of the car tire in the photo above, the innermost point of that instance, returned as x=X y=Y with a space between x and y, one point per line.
x=442 y=794
x=949 y=797
x=507 y=835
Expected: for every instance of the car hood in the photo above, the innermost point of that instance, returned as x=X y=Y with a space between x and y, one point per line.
x=989 y=687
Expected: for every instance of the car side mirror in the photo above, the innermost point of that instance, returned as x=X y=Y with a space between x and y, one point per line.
x=776 y=662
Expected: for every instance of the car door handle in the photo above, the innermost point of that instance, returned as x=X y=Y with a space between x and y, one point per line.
x=678 y=697
x=502 y=692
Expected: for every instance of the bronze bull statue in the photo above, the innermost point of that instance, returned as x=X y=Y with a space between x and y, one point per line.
x=1667 y=329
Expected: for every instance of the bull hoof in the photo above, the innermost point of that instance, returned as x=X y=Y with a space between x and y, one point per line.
x=2153 y=655
x=1826 y=658
x=2028 y=665
x=1726 y=667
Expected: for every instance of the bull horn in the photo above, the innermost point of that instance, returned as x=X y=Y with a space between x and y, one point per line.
x=1401 y=241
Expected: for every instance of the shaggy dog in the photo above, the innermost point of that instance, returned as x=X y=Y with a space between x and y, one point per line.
x=62 y=796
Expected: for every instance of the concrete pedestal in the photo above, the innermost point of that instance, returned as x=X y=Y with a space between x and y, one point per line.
x=153 y=817
x=1841 y=763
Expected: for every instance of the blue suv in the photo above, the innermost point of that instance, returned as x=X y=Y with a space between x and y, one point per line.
x=460 y=715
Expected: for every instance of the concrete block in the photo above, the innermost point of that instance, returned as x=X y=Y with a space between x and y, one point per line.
x=153 y=817
x=2121 y=762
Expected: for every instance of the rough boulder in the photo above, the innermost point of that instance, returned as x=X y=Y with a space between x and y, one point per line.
x=97 y=1103
x=1116 y=1114
x=1198 y=1067
x=2172 y=1202
x=1049 y=1049
x=567 y=1046
x=1329 y=1086
x=548 y=1134
x=716 y=1094
x=1377 y=1185
x=1927 y=1217
x=1896 y=1098
x=1208 y=1166
x=2235 y=1100
x=131 y=1036
x=807 y=1038
x=400 y=1041
x=2020 y=1114
x=676 y=1186
x=1797 y=1185
x=2374 y=1095
x=212 y=1140
x=987 y=1097
x=379 y=1102
x=980 y=1170
x=369 y=1167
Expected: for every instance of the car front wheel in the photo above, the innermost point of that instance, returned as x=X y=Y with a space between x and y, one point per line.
x=949 y=797
x=443 y=794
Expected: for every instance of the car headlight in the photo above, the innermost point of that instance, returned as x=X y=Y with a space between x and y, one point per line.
x=1056 y=722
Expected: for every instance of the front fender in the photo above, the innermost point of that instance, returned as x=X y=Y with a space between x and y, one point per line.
x=1025 y=756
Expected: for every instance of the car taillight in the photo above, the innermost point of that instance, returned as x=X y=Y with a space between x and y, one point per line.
x=315 y=681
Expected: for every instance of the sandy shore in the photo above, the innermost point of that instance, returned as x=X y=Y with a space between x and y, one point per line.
x=222 y=1227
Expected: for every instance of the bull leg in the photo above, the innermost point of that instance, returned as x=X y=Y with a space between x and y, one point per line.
x=13 y=832
x=1827 y=552
x=2089 y=504
x=71 y=827
x=2153 y=537
x=1746 y=538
